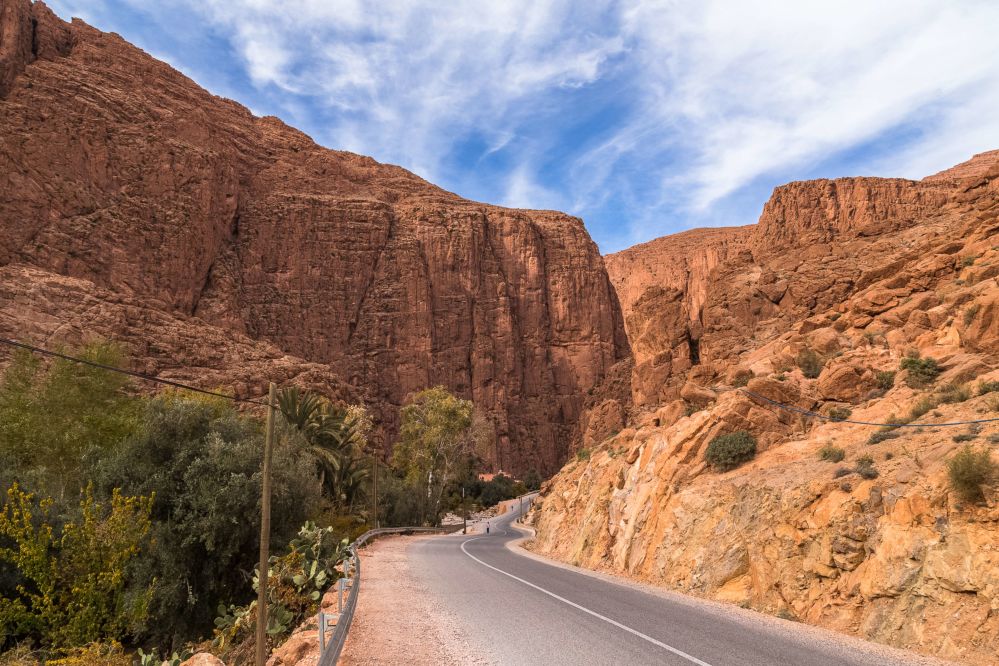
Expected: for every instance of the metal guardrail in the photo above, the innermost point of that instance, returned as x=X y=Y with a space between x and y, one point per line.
x=347 y=589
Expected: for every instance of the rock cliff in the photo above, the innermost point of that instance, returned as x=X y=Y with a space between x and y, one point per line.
x=838 y=282
x=121 y=172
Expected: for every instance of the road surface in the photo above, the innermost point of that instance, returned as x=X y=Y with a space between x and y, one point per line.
x=519 y=610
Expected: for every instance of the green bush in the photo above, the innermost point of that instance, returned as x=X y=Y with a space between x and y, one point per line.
x=201 y=460
x=865 y=467
x=296 y=582
x=742 y=378
x=810 y=363
x=72 y=579
x=988 y=387
x=840 y=413
x=727 y=452
x=969 y=470
x=841 y=472
x=831 y=453
x=583 y=454
x=532 y=480
x=885 y=379
x=964 y=437
x=920 y=371
x=52 y=413
x=881 y=436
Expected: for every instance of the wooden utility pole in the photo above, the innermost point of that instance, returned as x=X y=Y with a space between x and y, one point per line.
x=265 y=529
x=374 y=483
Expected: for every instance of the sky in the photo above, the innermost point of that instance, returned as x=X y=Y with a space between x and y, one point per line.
x=644 y=118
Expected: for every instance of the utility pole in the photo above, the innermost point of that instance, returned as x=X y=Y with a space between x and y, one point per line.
x=265 y=529
x=464 y=512
x=374 y=490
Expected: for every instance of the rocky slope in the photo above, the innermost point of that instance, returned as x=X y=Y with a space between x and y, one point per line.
x=119 y=171
x=861 y=272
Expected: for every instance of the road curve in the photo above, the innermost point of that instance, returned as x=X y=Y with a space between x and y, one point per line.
x=517 y=609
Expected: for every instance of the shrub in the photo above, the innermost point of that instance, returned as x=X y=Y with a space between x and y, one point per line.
x=970 y=313
x=831 y=453
x=296 y=582
x=881 y=436
x=968 y=261
x=742 y=378
x=51 y=414
x=988 y=387
x=691 y=409
x=865 y=467
x=200 y=458
x=532 y=480
x=921 y=407
x=781 y=377
x=964 y=437
x=94 y=654
x=840 y=413
x=810 y=363
x=841 y=472
x=969 y=470
x=954 y=392
x=885 y=379
x=73 y=579
x=583 y=454
x=920 y=371
x=727 y=452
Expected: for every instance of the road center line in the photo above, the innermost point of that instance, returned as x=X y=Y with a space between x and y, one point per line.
x=635 y=632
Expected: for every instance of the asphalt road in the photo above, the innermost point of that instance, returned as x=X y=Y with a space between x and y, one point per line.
x=516 y=609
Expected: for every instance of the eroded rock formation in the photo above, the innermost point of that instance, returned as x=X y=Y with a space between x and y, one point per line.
x=119 y=171
x=859 y=272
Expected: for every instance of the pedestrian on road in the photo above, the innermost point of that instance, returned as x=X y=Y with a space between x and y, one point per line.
x=487 y=528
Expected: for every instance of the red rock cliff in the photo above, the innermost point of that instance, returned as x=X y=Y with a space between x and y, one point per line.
x=118 y=170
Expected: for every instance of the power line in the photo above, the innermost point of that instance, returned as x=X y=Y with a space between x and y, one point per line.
x=806 y=412
x=123 y=371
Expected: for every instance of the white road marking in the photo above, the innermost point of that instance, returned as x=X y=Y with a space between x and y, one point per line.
x=635 y=632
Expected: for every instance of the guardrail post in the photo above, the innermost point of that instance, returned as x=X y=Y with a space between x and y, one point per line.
x=322 y=632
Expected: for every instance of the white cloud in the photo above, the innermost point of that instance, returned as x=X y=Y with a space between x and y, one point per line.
x=759 y=87
x=710 y=97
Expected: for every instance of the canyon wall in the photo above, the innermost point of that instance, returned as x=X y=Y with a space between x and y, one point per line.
x=861 y=273
x=120 y=172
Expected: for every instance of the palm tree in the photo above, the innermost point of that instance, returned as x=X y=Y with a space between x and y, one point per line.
x=327 y=433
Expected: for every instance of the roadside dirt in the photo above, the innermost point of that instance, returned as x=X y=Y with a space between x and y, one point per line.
x=397 y=621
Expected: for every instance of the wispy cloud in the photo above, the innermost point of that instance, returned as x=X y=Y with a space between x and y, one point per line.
x=642 y=116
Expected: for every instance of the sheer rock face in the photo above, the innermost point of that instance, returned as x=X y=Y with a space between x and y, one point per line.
x=662 y=286
x=118 y=170
x=862 y=272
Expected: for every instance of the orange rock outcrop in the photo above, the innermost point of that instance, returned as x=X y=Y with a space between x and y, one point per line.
x=841 y=279
x=117 y=170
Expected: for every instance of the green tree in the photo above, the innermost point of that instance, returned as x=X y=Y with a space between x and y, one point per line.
x=52 y=413
x=201 y=458
x=330 y=435
x=73 y=587
x=436 y=446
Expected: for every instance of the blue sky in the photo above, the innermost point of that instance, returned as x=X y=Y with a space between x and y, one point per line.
x=643 y=118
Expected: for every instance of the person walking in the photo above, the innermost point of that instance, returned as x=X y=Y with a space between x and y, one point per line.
x=487 y=528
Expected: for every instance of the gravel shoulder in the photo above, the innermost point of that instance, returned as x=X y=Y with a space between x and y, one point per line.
x=397 y=620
